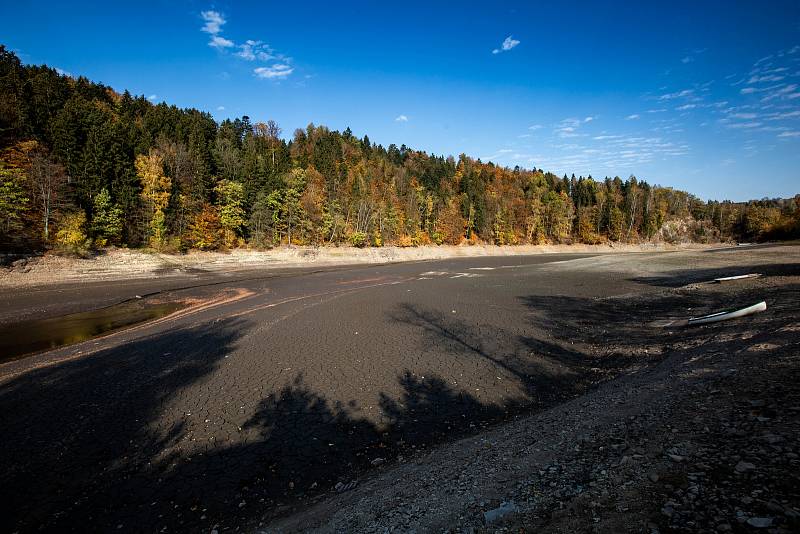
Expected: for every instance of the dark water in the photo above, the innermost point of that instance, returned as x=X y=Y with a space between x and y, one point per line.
x=20 y=339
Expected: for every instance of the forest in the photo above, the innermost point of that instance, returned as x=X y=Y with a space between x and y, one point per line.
x=83 y=166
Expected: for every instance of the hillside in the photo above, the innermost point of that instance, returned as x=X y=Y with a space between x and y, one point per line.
x=84 y=166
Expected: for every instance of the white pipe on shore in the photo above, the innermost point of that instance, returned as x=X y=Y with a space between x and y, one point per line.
x=724 y=316
x=739 y=277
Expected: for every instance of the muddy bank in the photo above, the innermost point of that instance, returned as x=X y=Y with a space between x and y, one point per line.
x=20 y=339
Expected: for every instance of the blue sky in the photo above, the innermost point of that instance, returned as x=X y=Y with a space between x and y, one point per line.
x=703 y=96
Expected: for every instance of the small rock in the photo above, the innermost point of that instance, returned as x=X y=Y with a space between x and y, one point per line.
x=743 y=467
x=504 y=511
x=760 y=522
x=377 y=461
x=653 y=477
x=676 y=458
x=341 y=487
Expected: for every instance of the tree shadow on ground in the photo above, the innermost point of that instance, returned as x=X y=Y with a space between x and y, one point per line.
x=78 y=441
x=92 y=444
x=695 y=276
x=543 y=369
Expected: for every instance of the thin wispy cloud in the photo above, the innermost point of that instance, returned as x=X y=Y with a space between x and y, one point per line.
x=276 y=71
x=252 y=50
x=401 y=118
x=765 y=78
x=677 y=94
x=760 y=108
x=63 y=72
x=152 y=98
x=569 y=127
x=744 y=125
x=498 y=153
x=508 y=44
x=689 y=58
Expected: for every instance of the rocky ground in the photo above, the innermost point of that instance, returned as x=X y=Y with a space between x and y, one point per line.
x=702 y=436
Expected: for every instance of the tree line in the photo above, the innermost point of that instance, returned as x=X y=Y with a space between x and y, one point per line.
x=84 y=166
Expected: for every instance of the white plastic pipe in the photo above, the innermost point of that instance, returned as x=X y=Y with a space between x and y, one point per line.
x=739 y=277
x=724 y=316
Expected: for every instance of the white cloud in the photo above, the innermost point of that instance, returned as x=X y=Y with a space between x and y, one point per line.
x=151 y=98
x=686 y=107
x=214 y=22
x=659 y=110
x=791 y=133
x=535 y=127
x=508 y=44
x=401 y=118
x=220 y=108
x=250 y=50
x=687 y=59
x=276 y=71
x=256 y=50
x=588 y=119
x=213 y=27
x=632 y=117
x=63 y=72
x=220 y=42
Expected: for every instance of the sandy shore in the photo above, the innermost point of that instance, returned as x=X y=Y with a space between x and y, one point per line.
x=119 y=264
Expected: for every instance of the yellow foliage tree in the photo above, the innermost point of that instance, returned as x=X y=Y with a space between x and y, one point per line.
x=156 y=189
x=71 y=236
x=206 y=231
